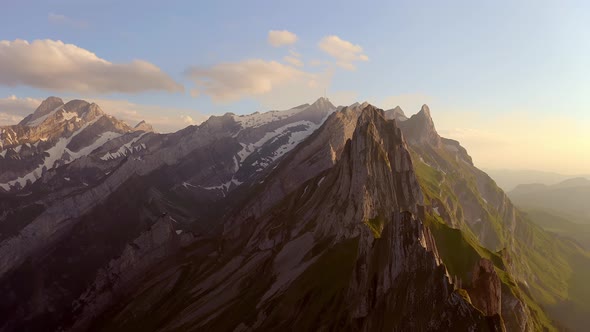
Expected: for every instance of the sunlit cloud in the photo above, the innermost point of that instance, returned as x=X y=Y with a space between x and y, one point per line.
x=188 y=120
x=275 y=84
x=279 y=38
x=345 y=52
x=18 y=107
x=232 y=81
x=54 y=65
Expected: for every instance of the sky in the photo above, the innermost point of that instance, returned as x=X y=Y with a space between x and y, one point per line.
x=509 y=79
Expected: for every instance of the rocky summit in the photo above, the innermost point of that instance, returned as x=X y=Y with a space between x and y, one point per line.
x=315 y=218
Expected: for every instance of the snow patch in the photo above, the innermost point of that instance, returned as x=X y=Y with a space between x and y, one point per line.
x=259 y=119
x=125 y=149
x=56 y=152
x=70 y=115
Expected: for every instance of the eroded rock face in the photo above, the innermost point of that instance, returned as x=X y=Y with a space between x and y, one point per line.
x=486 y=288
x=121 y=187
x=54 y=135
x=343 y=251
x=329 y=234
x=112 y=282
x=419 y=128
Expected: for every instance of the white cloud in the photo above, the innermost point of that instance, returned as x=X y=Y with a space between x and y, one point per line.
x=54 y=65
x=279 y=38
x=19 y=107
x=7 y=119
x=188 y=120
x=62 y=19
x=274 y=84
x=232 y=81
x=293 y=60
x=14 y=109
x=345 y=52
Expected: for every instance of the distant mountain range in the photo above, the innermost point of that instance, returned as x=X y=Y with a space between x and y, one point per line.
x=319 y=217
x=509 y=179
x=569 y=198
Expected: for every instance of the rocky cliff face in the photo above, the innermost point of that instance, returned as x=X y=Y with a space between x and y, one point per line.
x=119 y=188
x=419 y=128
x=346 y=244
x=54 y=135
x=313 y=218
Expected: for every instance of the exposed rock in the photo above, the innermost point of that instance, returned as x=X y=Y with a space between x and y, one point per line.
x=419 y=128
x=486 y=288
x=144 y=126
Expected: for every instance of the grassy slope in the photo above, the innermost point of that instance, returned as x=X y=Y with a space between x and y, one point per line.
x=571 y=203
x=558 y=224
x=555 y=268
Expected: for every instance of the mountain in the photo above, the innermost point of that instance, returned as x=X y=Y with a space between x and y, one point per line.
x=56 y=134
x=119 y=190
x=334 y=247
x=509 y=179
x=568 y=198
x=313 y=218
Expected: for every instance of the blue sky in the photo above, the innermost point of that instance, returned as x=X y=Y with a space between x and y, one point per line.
x=483 y=61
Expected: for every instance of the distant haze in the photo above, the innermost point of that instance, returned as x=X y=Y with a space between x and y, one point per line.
x=509 y=179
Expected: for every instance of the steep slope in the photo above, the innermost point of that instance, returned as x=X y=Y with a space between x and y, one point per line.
x=235 y=225
x=54 y=135
x=102 y=202
x=545 y=269
x=346 y=250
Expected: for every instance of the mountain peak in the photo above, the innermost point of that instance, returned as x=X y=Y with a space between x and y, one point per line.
x=323 y=102
x=420 y=127
x=425 y=110
x=396 y=113
x=47 y=106
x=144 y=126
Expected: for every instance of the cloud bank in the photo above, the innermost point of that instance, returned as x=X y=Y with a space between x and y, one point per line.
x=278 y=38
x=56 y=66
x=14 y=109
x=345 y=52
x=227 y=82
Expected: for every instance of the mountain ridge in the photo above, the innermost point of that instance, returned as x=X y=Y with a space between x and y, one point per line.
x=259 y=214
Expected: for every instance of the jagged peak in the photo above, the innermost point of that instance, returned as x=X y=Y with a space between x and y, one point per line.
x=420 y=128
x=323 y=102
x=396 y=113
x=52 y=100
x=144 y=126
x=375 y=149
x=425 y=110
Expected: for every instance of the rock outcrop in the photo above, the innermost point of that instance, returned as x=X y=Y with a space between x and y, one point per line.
x=486 y=288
